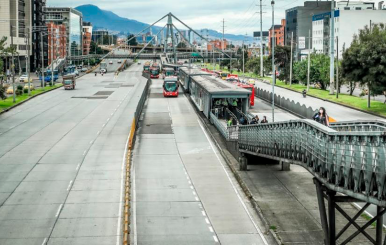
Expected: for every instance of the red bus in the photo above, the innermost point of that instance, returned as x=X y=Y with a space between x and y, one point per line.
x=235 y=79
x=170 y=87
x=154 y=72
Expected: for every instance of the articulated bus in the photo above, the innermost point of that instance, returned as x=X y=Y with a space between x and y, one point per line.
x=170 y=87
x=48 y=74
x=154 y=72
x=235 y=80
x=146 y=67
x=168 y=72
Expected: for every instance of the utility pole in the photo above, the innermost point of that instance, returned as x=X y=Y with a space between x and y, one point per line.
x=332 y=46
x=230 y=63
x=223 y=39
x=42 y=67
x=291 y=63
x=261 y=40
x=273 y=61
x=337 y=67
x=52 y=53
x=13 y=67
x=309 y=60
x=27 y=61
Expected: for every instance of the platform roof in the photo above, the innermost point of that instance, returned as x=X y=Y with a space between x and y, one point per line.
x=194 y=71
x=216 y=86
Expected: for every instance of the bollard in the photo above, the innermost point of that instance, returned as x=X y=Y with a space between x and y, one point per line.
x=285 y=165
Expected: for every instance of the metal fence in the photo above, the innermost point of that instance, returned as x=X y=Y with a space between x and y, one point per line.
x=295 y=108
x=220 y=126
x=350 y=162
x=141 y=103
x=376 y=125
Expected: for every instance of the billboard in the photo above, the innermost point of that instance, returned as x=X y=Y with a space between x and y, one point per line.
x=302 y=42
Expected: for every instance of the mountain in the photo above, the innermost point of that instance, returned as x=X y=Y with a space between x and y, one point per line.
x=103 y=19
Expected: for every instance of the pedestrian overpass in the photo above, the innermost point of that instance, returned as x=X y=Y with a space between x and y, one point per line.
x=347 y=160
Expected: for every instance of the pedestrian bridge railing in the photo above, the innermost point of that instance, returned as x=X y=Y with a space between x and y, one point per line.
x=348 y=157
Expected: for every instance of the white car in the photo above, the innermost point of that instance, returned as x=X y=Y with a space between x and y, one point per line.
x=24 y=78
x=76 y=72
x=119 y=61
x=111 y=62
x=103 y=70
x=84 y=69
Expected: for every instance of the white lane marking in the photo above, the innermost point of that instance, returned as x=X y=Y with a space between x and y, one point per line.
x=211 y=229
x=69 y=186
x=207 y=221
x=77 y=167
x=190 y=182
x=119 y=228
x=197 y=199
x=103 y=125
x=191 y=187
x=194 y=193
x=369 y=214
x=60 y=208
x=44 y=241
x=187 y=178
x=108 y=119
x=84 y=153
x=111 y=114
x=91 y=142
x=203 y=213
x=98 y=132
x=215 y=238
x=234 y=187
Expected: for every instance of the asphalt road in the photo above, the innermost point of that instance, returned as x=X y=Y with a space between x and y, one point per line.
x=61 y=159
x=183 y=192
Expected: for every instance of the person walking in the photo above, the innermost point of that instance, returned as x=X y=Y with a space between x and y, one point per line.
x=322 y=117
x=264 y=120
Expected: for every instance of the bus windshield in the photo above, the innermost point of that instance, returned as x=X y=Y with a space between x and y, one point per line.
x=169 y=73
x=154 y=72
x=67 y=82
x=224 y=74
x=171 y=86
x=146 y=68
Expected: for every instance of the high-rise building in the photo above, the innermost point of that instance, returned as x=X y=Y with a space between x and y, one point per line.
x=299 y=22
x=279 y=35
x=87 y=33
x=16 y=21
x=38 y=33
x=56 y=42
x=72 y=19
x=349 y=19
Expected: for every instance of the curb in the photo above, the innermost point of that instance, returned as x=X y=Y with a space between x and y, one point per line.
x=334 y=102
x=26 y=100
x=243 y=186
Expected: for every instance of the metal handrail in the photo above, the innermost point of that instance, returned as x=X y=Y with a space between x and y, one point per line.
x=350 y=162
x=221 y=128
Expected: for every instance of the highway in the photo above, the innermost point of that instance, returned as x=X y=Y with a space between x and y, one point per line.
x=61 y=160
x=183 y=191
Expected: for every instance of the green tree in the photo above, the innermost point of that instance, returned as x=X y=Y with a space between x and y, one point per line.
x=95 y=49
x=365 y=61
x=132 y=42
x=282 y=61
x=319 y=70
x=253 y=65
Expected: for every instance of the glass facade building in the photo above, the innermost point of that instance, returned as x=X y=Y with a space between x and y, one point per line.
x=73 y=20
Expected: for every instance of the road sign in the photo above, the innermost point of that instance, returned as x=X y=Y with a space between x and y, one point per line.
x=302 y=42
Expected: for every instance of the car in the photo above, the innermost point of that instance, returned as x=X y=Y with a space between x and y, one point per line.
x=139 y=63
x=76 y=72
x=31 y=87
x=84 y=69
x=80 y=67
x=111 y=62
x=251 y=81
x=9 y=90
x=103 y=70
x=119 y=61
x=24 y=79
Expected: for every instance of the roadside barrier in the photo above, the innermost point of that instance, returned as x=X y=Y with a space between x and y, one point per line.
x=130 y=145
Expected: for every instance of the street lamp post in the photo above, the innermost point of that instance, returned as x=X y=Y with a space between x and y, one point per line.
x=273 y=61
x=13 y=67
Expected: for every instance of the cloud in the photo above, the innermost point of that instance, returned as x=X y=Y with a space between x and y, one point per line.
x=240 y=16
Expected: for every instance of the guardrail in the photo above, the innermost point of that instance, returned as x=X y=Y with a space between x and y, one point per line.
x=350 y=162
x=376 y=125
x=295 y=108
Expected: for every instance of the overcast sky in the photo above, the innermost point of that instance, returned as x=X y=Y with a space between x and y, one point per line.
x=240 y=16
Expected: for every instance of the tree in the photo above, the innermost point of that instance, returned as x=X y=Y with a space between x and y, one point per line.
x=282 y=61
x=365 y=61
x=253 y=65
x=319 y=70
x=95 y=49
x=132 y=42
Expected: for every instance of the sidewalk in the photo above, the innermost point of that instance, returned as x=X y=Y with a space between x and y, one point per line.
x=338 y=112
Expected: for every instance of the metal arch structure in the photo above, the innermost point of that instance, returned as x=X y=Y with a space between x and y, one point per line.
x=347 y=160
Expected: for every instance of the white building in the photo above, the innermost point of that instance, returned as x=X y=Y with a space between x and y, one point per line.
x=349 y=19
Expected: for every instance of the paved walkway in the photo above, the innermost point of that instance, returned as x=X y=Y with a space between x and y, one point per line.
x=182 y=191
